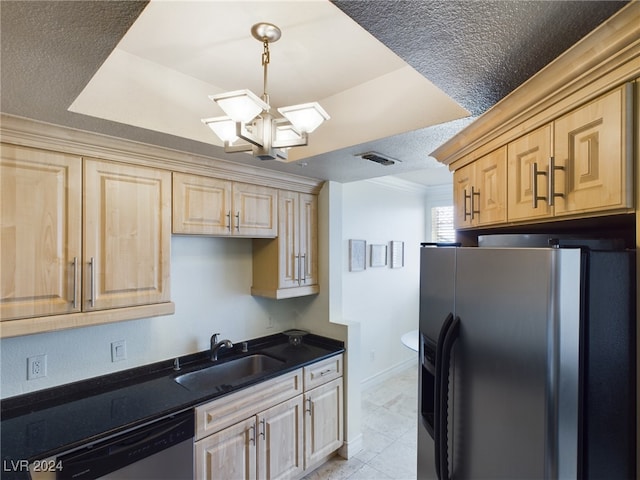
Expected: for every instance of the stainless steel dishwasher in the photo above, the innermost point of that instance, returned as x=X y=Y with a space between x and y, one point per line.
x=162 y=450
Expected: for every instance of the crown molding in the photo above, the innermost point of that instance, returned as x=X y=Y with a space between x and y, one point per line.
x=396 y=183
x=32 y=133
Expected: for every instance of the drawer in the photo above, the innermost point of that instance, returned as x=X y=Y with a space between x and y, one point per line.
x=235 y=407
x=322 y=372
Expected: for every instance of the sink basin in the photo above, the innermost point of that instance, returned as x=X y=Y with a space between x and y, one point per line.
x=228 y=373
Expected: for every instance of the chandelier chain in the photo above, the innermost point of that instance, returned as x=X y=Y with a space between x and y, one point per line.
x=266 y=57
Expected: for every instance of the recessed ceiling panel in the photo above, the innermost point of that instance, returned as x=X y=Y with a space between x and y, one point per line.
x=176 y=54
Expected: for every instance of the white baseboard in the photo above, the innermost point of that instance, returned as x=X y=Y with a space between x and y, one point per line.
x=378 y=378
x=351 y=448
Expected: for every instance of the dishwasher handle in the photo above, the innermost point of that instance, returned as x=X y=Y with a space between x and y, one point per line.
x=111 y=455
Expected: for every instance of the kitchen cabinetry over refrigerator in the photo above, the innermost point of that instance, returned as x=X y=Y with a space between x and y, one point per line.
x=581 y=162
x=479 y=191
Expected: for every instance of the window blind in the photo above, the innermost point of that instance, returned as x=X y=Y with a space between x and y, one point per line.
x=442 y=229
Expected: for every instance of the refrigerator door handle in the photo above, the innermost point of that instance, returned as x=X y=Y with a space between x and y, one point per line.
x=446 y=325
x=445 y=348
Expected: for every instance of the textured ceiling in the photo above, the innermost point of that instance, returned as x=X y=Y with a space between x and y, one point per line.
x=475 y=51
x=478 y=51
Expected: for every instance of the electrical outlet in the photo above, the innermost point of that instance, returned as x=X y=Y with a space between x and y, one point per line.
x=118 y=350
x=36 y=367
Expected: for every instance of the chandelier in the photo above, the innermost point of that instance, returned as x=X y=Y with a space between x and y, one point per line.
x=249 y=118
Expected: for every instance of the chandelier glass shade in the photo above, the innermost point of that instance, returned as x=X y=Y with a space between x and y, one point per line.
x=249 y=117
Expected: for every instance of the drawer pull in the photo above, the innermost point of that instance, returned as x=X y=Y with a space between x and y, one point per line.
x=325 y=372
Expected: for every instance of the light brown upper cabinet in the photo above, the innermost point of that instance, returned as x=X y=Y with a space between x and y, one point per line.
x=586 y=168
x=59 y=258
x=479 y=191
x=41 y=236
x=127 y=235
x=212 y=206
x=593 y=155
x=529 y=159
x=288 y=265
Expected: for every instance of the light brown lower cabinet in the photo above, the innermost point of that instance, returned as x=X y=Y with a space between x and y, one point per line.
x=323 y=422
x=268 y=445
x=272 y=430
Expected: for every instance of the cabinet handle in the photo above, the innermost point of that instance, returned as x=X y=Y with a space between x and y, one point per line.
x=535 y=173
x=252 y=434
x=303 y=276
x=296 y=268
x=92 y=278
x=237 y=221
x=264 y=428
x=474 y=194
x=229 y=221
x=552 y=180
x=308 y=409
x=464 y=202
x=325 y=372
x=75 y=282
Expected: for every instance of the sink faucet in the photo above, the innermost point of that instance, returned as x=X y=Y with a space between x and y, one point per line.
x=216 y=346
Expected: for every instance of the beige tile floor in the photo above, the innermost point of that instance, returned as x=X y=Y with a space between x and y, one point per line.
x=389 y=434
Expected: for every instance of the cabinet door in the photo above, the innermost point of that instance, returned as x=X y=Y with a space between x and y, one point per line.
x=490 y=198
x=127 y=235
x=254 y=211
x=288 y=238
x=593 y=145
x=40 y=236
x=280 y=441
x=529 y=150
x=323 y=422
x=228 y=454
x=288 y=266
x=308 y=226
x=462 y=183
x=201 y=205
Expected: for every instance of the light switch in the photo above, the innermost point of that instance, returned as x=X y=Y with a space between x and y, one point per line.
x=118 y=350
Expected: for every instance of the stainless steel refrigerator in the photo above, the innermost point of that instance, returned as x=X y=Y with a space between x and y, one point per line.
x=527 y=360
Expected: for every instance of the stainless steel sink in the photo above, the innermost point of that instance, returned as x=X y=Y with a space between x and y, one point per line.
x=228 y=373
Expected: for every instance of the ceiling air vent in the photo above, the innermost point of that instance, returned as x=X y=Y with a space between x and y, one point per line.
x=376 y=157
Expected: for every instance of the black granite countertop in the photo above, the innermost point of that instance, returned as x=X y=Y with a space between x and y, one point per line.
x=53 y=421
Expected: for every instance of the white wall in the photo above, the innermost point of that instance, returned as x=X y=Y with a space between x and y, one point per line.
x=383 y=300
x=210 y=284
